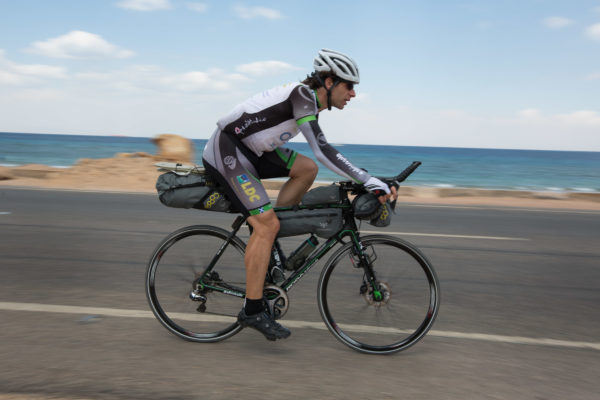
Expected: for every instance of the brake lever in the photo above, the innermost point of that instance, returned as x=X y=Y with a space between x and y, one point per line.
x=393 y=203
x=393 y=206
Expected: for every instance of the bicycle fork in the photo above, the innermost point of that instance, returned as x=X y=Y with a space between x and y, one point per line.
x=362 y=259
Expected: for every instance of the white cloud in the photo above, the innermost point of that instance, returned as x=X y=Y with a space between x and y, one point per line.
x=78 y=44
x=9 y=78
x=12 y=73
x=594 y=76
x=557 y=22
x=262 y=68
x=530 y=113
x=593 y=32
x=484 y=25
x=142 y=78
x=257 y=12
x=145 y=5
x=455 y=114
x=93 y=76
x=39 y=70
x=198 y=7
x=576 y=130
x=583 y=117
x=202 y=81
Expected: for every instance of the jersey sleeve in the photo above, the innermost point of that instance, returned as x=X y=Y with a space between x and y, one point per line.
x=303 y=102
x=327 y=154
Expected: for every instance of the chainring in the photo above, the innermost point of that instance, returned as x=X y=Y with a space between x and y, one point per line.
x=277 y=300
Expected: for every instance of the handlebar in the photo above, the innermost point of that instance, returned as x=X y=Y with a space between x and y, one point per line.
x=409 y=170
x=390 y=181
x=357 y=188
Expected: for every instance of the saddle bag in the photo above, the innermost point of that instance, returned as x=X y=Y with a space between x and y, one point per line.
x=323 y=222
x=190 y=191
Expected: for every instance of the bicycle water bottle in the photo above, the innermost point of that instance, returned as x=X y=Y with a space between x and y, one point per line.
x=297 y=258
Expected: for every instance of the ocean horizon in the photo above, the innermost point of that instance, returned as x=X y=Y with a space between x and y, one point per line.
x=443 y=167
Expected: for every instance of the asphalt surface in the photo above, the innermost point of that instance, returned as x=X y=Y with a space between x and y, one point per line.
x=519 y=316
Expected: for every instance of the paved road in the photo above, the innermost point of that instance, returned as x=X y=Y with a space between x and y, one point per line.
x=519 y=316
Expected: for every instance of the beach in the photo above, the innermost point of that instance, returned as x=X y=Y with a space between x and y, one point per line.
x=136 y=172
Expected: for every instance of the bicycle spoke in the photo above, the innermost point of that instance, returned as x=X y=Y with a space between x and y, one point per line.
x=196 y=312
x=387 y=317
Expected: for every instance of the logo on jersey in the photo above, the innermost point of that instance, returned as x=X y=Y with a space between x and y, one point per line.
x=242 y=178
x=230 y=161
x=321 y=139
x=348 y=164
x=239 y=130
x=247 y=187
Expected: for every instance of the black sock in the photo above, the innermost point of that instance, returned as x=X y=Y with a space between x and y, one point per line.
x=252 y=307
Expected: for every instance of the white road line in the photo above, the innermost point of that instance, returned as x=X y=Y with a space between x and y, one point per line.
x=4 y=212
x=506 y=208
x=116 y=312
x=445 y=235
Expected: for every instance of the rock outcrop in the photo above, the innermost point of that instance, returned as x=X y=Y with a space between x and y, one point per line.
x=174 y=148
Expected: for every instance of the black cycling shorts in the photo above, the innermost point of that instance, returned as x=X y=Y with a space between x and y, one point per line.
x=238 y=170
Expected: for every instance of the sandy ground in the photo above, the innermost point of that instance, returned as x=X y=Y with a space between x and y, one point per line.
x=135 y=172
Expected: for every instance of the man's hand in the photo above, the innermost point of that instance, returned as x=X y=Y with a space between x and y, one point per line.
x=393 y=195
x=381 y=190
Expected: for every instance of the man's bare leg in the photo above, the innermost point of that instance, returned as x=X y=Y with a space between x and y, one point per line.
x=258 y=251
x=302 y=175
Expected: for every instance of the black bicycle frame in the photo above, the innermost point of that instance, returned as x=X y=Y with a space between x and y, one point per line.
x=348 y=230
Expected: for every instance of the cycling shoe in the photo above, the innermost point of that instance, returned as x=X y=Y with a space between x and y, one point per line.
x=265 y=324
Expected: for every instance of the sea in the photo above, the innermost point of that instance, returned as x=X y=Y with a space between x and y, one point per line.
x=444 y=167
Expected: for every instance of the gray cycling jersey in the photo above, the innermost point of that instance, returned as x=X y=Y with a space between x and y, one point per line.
x=270 y=119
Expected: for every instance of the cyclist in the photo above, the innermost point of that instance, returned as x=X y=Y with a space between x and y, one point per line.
x=247 y=146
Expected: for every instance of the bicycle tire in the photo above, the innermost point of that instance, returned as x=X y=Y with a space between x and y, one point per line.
x=406 y=310
x=176 y=264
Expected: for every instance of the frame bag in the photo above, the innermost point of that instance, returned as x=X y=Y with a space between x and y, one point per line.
x=324 y=222
x=322 y=195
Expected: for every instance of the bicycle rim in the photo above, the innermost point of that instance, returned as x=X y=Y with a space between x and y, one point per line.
x=388 y=322
x=173 y=273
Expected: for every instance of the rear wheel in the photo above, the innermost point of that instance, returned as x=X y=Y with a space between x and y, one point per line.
x=184 y=301
x=387 y=318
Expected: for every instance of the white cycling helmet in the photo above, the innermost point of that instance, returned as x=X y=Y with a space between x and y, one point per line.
x=340 y=64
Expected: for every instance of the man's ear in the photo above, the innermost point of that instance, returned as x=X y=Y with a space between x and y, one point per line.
x=328 y=83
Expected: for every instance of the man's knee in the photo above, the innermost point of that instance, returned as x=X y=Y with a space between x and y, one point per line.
x=312 y=169
x=265 y=224
x=304 y=167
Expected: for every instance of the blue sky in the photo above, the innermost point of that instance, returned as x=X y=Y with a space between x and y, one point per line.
x=459 y=73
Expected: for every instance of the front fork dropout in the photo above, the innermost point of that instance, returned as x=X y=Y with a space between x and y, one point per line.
x=365 y=261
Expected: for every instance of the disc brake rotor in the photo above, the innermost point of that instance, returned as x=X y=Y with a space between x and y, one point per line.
x=378 y=299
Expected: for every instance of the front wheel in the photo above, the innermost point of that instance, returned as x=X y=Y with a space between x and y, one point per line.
x=385 y=317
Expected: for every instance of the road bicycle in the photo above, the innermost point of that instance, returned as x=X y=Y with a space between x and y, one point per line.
x=377 y=294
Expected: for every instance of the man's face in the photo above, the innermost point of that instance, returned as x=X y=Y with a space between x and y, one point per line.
x=341 y=94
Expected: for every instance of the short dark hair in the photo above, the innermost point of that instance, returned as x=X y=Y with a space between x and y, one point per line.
x=317 y=79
